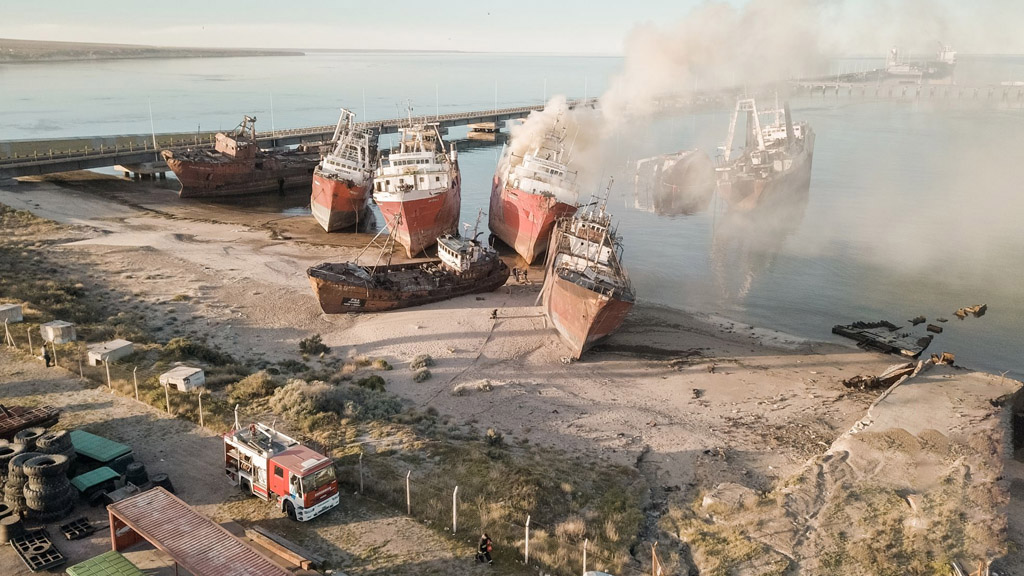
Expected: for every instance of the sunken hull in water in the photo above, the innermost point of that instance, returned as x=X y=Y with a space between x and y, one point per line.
x=348 y=287
x=675 y=184
x=524 y=220
x=748 y=191
x=583 y=313
x=338 y=203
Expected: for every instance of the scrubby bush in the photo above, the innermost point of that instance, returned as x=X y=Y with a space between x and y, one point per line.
x=494 y=438
x=313 y=346
x=252 y=387
x=381 y=364
x=304 y=402
x=179 y=349
x=421 y=361
x=373 y=382
x=421 y=375
x=293 y=366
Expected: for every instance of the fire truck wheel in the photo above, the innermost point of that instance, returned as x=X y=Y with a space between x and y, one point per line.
x=289 y=509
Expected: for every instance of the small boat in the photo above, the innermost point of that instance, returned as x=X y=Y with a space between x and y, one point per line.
x=674 y=184
x=237 y=166
x=344 y=178
x=586 y=292
x=418 y=189
x=464 y=266
x=529 y=194
x=775 y=165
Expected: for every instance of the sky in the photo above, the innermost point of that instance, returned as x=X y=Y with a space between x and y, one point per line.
x=560 y=26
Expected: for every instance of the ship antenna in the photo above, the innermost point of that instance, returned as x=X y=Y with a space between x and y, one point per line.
x=476 y=226
x=572 y=145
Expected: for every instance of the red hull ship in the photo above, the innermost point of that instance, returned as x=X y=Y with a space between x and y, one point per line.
x=418 y=189
x=775 y=165
x=529 y=194
x=237 y=166
x=586 y=292
x=343 y=180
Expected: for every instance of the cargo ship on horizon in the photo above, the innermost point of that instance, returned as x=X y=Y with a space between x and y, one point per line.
x=586 y=293
x=418 y=189
x=529 y=194
x=238 y=166
x=775 y=164
x=343 y=180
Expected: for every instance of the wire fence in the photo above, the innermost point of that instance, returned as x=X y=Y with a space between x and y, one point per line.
x=526 y=537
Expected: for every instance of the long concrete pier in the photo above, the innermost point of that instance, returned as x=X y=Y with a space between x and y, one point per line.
x=36 y=157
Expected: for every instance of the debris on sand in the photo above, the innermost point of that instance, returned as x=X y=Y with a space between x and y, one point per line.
x=946 y=358
x=878 y=336
x=943 y=320
x=978 y=310
x=918 y=320
x=934 y=328
x=890 y=376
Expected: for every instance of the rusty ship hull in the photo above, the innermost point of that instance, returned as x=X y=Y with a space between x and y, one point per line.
x=423 y=216
x=524 y=220
x=204 y=174
x=582 y=316
x=338 y=203
x=339 y=290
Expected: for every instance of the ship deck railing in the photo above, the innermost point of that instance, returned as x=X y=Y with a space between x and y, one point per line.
x=618 y=292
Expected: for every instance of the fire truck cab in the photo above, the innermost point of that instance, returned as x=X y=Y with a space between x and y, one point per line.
x=273 y=466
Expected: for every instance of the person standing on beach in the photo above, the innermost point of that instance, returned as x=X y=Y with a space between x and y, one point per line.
x=485 y=549
x=46 y=356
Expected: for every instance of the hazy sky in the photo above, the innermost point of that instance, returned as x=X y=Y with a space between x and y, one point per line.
x=472 y=25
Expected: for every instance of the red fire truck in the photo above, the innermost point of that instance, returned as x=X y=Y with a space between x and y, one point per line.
x=271 y=465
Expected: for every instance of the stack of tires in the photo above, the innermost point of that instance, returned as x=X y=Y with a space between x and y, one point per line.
x=48 y=493
x=57 y=442
x=28 y=437
x=14 y=488
x=7 y=452
x=137 y=475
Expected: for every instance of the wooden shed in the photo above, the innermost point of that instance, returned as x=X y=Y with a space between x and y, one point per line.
x=111 y=351
x=184 y=377
x=10 y=313
x=58 y=332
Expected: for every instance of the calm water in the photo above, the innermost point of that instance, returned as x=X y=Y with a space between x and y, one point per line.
x=914 y=208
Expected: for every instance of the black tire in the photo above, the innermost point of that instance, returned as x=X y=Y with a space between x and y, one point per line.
x=46 y=465
x=54 y=442
x=8 y=452
x=16 y=465
x=50 y=504
x=49 y=483
x=47 y=517
x=289 y=509
x=28 y=436
x=5 y=510
x=46 y=491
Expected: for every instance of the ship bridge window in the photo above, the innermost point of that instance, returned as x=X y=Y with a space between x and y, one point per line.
x=378 y=186
x=437 y=178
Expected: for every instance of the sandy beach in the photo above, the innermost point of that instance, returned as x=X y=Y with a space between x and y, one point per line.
x=692 y=402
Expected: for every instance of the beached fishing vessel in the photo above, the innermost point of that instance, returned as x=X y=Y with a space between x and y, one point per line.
x=237 y=165
x=529 y=194
x=586 y=292
x=674 y=184
x=419 y=187
x=343 y=180
x=775 y=164
x=464 y=266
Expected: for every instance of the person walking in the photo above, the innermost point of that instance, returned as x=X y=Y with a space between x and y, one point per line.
x=46 y=356
x=484 y=554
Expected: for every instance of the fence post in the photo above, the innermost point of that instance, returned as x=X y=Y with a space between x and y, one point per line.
x=167 y=397
x=360 y=471
x=135 y=378
x=455 y=517
x=527 y=561
x=29 y=332
x=81 y=373
x=201 y=408
x=585 y=542
x=408 y=499
x=53 y=345
x=106 y=364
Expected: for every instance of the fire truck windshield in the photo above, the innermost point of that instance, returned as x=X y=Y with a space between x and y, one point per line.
x=317 y=480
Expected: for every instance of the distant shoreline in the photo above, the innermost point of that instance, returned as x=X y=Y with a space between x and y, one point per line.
x=35 y=51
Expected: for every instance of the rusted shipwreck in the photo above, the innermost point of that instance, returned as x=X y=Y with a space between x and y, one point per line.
x=884 y=336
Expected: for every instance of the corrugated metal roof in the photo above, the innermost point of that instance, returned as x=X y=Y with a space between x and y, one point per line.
x=195 y=542
x=106 y=564
x=96 y=447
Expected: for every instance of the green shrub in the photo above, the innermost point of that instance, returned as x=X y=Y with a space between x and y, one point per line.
x=253 y=387
x=381 y=364
x=421 y=375
x=179 y=349
x=372 y=382
x=313 y=346
x=421 y=361
x=303 y=402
